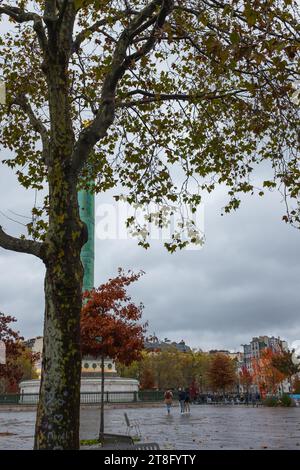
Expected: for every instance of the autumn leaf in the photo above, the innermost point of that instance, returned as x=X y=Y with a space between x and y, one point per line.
x=109 y=313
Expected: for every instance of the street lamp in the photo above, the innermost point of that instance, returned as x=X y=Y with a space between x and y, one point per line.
x=99 y=340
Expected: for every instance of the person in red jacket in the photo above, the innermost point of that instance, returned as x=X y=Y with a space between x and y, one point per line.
x=168 y=400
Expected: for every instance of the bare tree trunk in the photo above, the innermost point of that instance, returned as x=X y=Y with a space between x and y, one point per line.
x=57 y=425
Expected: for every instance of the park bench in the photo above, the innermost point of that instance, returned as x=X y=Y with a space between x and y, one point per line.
x=132 y=425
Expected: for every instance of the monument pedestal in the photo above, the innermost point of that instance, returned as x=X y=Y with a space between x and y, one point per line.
x=118 y=388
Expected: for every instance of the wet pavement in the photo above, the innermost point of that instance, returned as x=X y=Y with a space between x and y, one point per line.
x=206 y=427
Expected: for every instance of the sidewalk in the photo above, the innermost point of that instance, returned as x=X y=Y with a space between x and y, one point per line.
x=207 y=427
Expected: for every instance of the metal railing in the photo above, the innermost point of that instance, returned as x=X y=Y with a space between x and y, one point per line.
x=88 y=398
x=144 y=396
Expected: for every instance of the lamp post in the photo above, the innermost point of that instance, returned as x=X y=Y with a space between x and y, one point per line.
x=99 y=340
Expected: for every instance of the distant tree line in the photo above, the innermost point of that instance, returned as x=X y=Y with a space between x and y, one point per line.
x=217 y=372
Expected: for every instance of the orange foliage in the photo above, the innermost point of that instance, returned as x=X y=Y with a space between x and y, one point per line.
x=246 y=378
x=108 y=313
x=18 y=357
x=147 y=379
x=221 y=372
x=265 y=374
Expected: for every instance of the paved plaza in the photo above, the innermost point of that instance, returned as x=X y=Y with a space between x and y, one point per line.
x=207 y=427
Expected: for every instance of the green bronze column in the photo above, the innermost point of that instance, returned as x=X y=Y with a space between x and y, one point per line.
x=86 y=202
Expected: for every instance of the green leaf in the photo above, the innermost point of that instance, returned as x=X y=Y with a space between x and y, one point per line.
x=82 y=3
x=250 y=14
x=234 y=37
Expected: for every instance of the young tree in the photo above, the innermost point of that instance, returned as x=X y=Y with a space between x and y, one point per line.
x=147 y=373
x=103 y=93
x=142 y=370
x=266 y=375
x=246 y=378
x=110 y=325
x=20 y=360
x=285 y=364
x=169 y=368
x=130 y=371
x=22 y=367
x=222 y=372
x=296 y=385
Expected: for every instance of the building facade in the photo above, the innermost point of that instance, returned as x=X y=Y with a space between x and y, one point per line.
x=253 y=350
x=153 y=344
x=91 y=366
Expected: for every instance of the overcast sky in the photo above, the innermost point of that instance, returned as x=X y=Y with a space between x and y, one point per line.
x=243 y=282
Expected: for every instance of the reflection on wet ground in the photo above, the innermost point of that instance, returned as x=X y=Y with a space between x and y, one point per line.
x=206 y=427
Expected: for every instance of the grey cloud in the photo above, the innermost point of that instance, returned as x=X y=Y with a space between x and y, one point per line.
x=243 y=282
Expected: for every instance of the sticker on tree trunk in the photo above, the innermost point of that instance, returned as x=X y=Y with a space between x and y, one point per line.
x=2 y=92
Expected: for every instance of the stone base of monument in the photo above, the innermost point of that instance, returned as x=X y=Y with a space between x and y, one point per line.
x=116 y=390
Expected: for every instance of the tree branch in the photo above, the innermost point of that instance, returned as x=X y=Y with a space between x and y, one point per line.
x=37 y=124
x=85 y=33
x=21 y=16
x=20 y=245
x=120 y=63
x=149 y=44
x=236 y=14
x=152 y=97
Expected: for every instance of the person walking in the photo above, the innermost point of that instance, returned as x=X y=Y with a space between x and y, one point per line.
x=168 y=400
x=187 y=401
x=181 y=398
